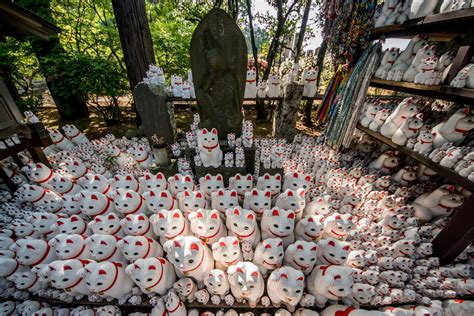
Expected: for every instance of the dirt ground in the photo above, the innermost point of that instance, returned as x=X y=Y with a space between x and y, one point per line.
x=95 y=127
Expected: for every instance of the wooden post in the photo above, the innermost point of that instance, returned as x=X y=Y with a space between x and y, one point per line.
x=135 y=38
x=284 y=120
x=457 y=235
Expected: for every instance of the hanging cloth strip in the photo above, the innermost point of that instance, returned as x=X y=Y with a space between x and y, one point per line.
x=350 y=99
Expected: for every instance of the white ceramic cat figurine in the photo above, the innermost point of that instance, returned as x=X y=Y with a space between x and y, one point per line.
x=409 y=128
x=224 y=199
x=207 y=225
x=279 y=223
x=269 y=255
x=108 y=279
x=301 y=255
x=70 y=246
x=455 y=129
x=387 y=62
x=426 y=73
x=226 y=252
x=285 y=285
x=332 y=251
x=421 y=8
x=423 y=53
x=404 y=110
x=74 y=134
x=170 y=224
x=330 y=283
x=438 y=203
x=191 y=201
x=217 y=284
x=388 y=10
x=251 y=83
x=104 y=248
x=242 y=223
x=210 y=183
x=310 y=228
x=139 y=247
x=424 y=144
x=379 y=119
x=190 y=257
x=209 y=148
x=152 y=275
x=258 y=201
x=246 y=282
x=310 y=83
x=372 y=109
x=273 y=86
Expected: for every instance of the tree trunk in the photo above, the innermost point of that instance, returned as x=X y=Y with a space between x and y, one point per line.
x=309 y=104
x=304 y=23
x=260 y=105
x=69 y=106
x=135 y=37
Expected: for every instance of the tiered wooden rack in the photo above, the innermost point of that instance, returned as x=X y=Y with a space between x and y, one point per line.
x=459 y=233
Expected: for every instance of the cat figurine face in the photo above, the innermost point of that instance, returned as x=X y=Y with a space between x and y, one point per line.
x=292 y=200
x=285 y=285
x=170 y=224
x=128 y=202
x=278 y=223
x=216 y=282
x=246 y=282
x=224 y=199
x=150 y=181
x=320 y=205
x=179 y=183
x=108 y=224
x=62 y=274
x=258 y=201
x=207 y=225
x=95 y=183
x=107 y=279
x=338 y=225
x=226 y=252
x=43 y=221
x=190 y=257
x=242 y=223
x=332 y=251
x=70 y=225
x=137 y=225
x=70 y=246
x=190 y=201
x=209 y=184
x=139 y=247
x=74 y=168
x=269 y=255
x=104 y=248
x=301 y=255
x=7 y=308
x=95 y=203
x=242 y=184
x=310 y=228
x=127 y=182
x=270 y=182
x=31 y=252
x=185 y=288
x=157 y=200
x=295 y=180
x=71 y=205
x=154 y=275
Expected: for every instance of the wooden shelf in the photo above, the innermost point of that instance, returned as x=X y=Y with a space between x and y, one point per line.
x=449 y=23
x=465 y=96
x=316 y=97
x=447 y=173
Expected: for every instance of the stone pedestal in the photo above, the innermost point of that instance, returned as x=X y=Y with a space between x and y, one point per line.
x=285 y=115
x=156 y=113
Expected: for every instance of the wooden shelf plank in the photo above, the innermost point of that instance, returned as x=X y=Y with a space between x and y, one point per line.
x=465 y=96
x=451 y=23
x=316 y=97
x=447 y=173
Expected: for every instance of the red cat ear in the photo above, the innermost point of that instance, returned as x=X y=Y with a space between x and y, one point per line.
x=60 y=223
x=221 y=193
x=141 y=218
x=278 y=177
x=187 y=179
x=152 y=268
x=295 y=175
x=147 y=177
x=162 y=261
x=284 y=276
x=214 y=216
x=300 y=279
x=160 y=215
x=255 y=192
x=176 y=215
x=290 y=193
x=249 y=177
x=346 y=248
x=103 y=243
x=176 y=244
x=152 y=193
x=97 y=220
x=233 y=193
x=102 y=272
x=208 y=177
x=266 y=177
x=275 y=212
x=159 y=176
x=308 y=178
x=204 y=131
x=199 y=215
x=337 y=277
x=237 y=177
x=236 y=242
x=163 y=194
x=299 y=247
x=239 y=270
x=30 y=247
x=338 y=217
x=236 y=212
x=138 y=243
x=199 y=195
x=214 y=131
x=310 y=219
x=186 y=193
x=75 y=163
x=66 y=267
x=128 y=178
x=331 y=243
x=302 y=193
x=250 y=217
x=291 y=215
x=111 y=217
x=219 y=177
x=314 y=248
x=222 y=244
x=268 y=246
x=268 y=194
x=128 y=195
x=97 y=178
x=194 y=246
x=280 y=244
x=254 y=274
